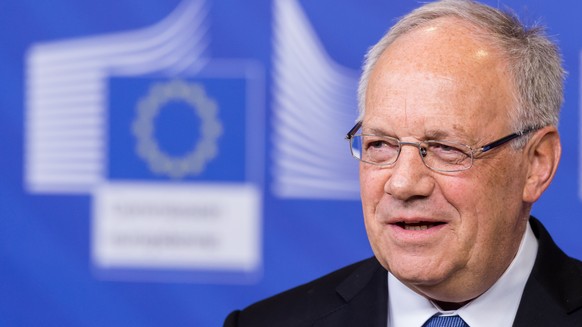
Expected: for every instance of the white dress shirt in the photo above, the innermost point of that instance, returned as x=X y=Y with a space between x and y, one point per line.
x=496 y=307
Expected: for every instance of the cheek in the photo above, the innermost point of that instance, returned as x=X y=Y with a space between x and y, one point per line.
x=461 y=194
x=497 y=194
x=372 y=181
x=464 y=200
x=486 y=205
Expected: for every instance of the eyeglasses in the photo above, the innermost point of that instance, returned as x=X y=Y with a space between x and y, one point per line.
x=441 y=156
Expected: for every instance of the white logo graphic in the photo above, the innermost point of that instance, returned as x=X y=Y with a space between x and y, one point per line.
x=193 y=162
x=314 y=107
x=67 y=94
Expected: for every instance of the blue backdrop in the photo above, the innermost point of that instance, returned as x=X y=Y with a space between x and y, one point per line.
x=165 y=162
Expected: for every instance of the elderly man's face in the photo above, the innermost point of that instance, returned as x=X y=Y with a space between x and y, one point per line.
x=439 y=82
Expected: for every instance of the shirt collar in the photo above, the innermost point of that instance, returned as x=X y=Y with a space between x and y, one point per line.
x=407 y=308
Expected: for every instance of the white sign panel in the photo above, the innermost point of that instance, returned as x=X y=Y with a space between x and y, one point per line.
x=154 y=225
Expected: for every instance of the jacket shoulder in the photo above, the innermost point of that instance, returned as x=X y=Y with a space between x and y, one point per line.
x=553 y=292
x=302 y=305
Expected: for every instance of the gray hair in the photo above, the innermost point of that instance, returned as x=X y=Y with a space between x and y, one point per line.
x=533 y=60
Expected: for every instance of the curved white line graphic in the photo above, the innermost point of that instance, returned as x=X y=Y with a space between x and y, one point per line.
x=314 y=106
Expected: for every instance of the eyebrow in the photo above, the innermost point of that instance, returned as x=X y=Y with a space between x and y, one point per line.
x=433 y=134
x=439 y=135
x=374 y=131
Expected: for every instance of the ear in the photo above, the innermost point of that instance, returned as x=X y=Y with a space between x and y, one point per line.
x=543 y=155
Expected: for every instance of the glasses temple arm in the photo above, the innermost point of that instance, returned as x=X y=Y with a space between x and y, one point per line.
x=504 y=140
x=353 y=131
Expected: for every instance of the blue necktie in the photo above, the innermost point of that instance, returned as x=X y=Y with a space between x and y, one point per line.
x=445 y=321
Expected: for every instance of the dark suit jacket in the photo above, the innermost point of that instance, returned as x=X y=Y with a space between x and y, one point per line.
x=357 y=295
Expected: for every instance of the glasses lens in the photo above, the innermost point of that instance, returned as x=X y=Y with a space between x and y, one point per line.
x=375 y=149
x=445 y=156
x=356 y=146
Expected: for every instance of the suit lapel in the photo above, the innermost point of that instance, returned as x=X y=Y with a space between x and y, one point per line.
x=553 y=293
x=366 y=297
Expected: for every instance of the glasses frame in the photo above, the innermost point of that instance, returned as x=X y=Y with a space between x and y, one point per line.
x=472 y=152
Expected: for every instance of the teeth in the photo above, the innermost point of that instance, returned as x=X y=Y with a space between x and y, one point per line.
x=417 y=227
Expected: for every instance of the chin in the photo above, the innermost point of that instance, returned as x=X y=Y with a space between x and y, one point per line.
x=419 y=275
x=419 y=279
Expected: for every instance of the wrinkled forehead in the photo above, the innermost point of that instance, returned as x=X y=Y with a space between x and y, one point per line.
x=440 y=75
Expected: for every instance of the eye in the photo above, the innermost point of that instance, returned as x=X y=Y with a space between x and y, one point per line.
x=448 y=152
x=441 y=147
x=376 y=143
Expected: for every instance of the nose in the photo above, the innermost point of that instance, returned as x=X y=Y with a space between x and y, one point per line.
x=409 y=178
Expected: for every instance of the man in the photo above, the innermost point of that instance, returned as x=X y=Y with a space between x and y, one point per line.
x=457 y=139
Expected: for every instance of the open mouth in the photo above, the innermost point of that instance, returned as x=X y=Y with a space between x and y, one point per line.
x=419 y=225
